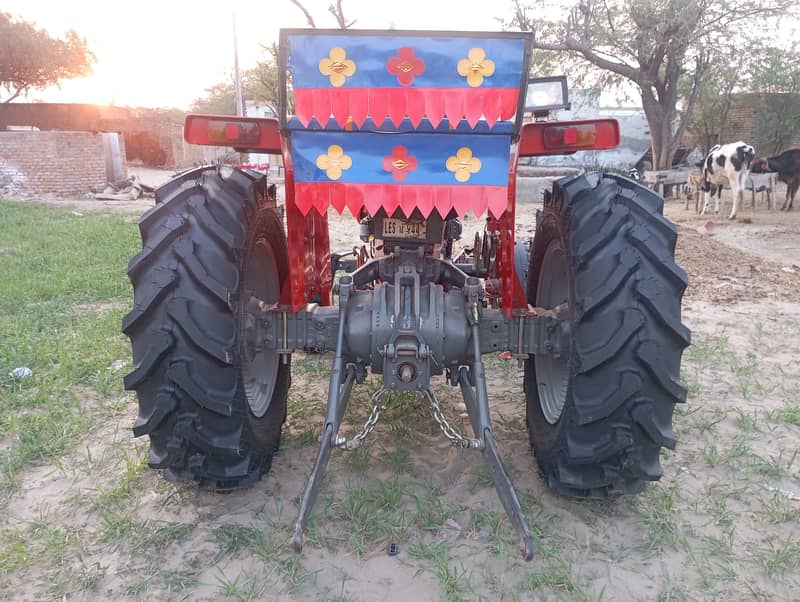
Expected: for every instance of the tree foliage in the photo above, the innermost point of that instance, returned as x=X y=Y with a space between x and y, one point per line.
x=775 y=74
x=663 y=47
x=763 y=78
x=219 y=99
x=262 y=83
x=31 y=59
x=714 y=102
x=777 y=122
x=259 y=84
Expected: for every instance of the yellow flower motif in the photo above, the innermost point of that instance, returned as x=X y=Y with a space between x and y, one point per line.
x=475 y=67
x=334 y=162
x=463 y=164
x=337 y=66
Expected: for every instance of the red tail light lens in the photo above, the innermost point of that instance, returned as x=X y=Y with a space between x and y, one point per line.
x=579 y=136
x=549 y=138
x=255 y=134
x=224 y=133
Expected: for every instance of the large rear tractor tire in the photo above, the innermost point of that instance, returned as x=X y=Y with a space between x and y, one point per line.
x=211 y=248
x=599 y=414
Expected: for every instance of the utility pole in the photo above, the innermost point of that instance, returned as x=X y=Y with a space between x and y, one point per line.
x=238 y=84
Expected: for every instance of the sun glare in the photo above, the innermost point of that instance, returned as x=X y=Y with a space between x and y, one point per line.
x=167 y=53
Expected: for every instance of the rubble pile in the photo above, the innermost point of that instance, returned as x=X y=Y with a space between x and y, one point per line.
x=125 y=190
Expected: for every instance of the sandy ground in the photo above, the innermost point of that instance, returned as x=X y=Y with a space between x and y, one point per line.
x=697 y=535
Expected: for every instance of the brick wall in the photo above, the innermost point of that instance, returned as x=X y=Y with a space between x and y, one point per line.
x=741 y=122
x=63 y=116
x=66 y=163
x=166 y=125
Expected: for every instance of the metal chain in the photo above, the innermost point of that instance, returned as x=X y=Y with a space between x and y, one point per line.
x=456 y=438
x=380 y=400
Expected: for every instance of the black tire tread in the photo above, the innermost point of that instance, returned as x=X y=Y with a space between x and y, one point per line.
x=627 y=337
x=183 y=331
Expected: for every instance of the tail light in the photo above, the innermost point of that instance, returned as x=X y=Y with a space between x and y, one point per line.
x=245 y=134
x=224 y=133
x=566 y=137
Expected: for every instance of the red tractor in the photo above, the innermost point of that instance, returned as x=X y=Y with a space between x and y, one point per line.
x=409 y=131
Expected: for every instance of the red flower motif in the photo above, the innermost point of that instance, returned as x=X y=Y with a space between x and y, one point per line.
x=405 y=66
x=399 y=163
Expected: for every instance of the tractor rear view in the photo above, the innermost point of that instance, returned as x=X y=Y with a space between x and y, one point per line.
x=409 y=131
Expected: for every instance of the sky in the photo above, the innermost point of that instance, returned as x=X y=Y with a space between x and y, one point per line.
x=166 y=53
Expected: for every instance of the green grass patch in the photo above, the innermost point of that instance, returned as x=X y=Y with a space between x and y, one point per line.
x=63 y=292
x=556 y=576
x=374 y=513
x=397 y=459
x=780 y=556
x=41 y=542
x=659 y=515
x=493 y=528
x=51 y=254
x=429 y=511
x=456 y=582
x=788 y=414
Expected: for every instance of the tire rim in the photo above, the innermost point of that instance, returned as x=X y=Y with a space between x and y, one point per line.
x=260 y=370
x=552 y=373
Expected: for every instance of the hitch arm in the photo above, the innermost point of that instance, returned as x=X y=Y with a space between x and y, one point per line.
x=338 y=396
x=477 y=403
x=329 y=433
x=497 y=471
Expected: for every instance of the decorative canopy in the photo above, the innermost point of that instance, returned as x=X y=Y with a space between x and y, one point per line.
x=403 y=120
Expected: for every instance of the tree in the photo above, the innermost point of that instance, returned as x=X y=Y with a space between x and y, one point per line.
x=220 y=99
x=335 y=9
x=777 y=122
x=30 y=59
x=664 y=47
x=775 y=74
x=714 y=102
x=262 y=83
x=259 y=83
x=764 y=77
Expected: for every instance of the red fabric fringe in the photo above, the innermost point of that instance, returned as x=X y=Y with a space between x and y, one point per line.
x=396 y=103
x=372 y=197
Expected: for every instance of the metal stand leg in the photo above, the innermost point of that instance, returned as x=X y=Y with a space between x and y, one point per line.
x=338 y=396
x=478 y=408
x=327 y=442
x=312 y=488
x=502 y=481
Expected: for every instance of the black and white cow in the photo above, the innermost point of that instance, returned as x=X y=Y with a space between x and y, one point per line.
x=727 y=165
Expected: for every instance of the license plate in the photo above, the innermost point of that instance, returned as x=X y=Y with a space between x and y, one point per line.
x=404 y=228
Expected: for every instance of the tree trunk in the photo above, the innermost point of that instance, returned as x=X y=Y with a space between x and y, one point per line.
x=662 y=142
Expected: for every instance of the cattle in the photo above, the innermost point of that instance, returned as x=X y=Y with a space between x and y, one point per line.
x=727 y=165
x=756 y=182
x=692 y=189
x=787 y=164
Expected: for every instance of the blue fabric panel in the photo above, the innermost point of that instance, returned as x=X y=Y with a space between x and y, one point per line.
x=370 y=53
x=367 y=151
